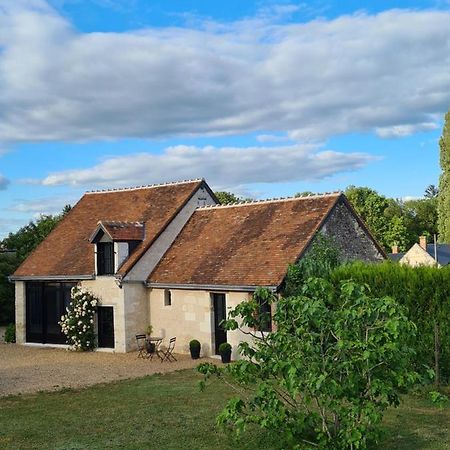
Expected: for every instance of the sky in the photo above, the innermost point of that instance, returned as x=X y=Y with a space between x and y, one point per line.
x=263 y=98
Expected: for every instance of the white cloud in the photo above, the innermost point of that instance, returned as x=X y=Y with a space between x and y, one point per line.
x=36 y=207
x=371 y=73
x=399 y=131
x=263 y=138
x=226 y=166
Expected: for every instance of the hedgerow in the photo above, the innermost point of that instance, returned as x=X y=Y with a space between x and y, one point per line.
x=425 y=292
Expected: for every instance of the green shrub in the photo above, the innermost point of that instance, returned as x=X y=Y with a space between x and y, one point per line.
x=10 y=333
x=224 y=348
x=194 y=344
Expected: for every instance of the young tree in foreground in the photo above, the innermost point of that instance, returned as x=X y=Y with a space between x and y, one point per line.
x=444 y=183
x=326 y=375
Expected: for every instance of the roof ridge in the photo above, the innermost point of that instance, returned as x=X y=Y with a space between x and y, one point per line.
x=121 y=222
x=270 y=200
x=147 y=186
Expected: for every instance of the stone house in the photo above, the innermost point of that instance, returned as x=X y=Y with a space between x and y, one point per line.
x=170 y=256
x=423 y=254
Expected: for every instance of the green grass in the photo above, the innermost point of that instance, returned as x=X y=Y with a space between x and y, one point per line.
x=169 y=412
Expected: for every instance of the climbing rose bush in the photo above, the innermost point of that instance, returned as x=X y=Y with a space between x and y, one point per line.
x=78 y=323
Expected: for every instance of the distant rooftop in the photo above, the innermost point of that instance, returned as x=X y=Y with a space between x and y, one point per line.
x=443 y=254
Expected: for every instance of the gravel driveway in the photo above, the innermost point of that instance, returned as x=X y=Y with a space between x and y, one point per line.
x=26 y=369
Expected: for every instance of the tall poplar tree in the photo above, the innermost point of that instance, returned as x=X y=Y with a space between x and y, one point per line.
x=444 y=184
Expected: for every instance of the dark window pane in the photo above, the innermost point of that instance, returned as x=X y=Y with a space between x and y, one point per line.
x=265 y=315
x=105 y=258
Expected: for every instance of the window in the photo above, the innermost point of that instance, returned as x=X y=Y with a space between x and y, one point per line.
x=167 y=298
x=265 y=315
x=132 y=245
x=105 y=258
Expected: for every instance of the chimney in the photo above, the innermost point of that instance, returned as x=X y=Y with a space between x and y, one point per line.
x=395 y=249
x=423 y=242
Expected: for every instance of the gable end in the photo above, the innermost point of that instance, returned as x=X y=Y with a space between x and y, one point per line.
x=351 y=235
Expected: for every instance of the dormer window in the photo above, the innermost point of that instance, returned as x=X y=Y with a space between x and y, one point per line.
x=114 y=242
x=105 y=258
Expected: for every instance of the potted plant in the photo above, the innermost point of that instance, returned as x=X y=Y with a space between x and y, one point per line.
x=194 y=347
x=150 y=345
x=225 y=352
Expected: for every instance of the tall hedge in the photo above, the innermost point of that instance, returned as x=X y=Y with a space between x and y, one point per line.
x=425 y=291
x=444 y=183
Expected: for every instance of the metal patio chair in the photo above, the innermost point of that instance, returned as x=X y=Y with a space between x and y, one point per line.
x=167 y=353
x=141 y=340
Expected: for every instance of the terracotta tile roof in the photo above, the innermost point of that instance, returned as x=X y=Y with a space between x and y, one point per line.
x=243 y=245
x=123 y=231
x=67 y=250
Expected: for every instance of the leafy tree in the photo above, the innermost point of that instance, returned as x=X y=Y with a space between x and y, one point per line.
x=27 y=238
x=397 y=233
x=421 y=217
x=8 y=264
x=371 y=206
x=225 y=198
x=393 y=221
x=431 y=191
x=321 y=258
x=304 y=194
x=336 y=360
x=444 y=183
x=24 y=241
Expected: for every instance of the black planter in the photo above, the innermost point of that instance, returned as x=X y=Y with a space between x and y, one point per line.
x=226 y=357
x=195 y=352
x=151 y=347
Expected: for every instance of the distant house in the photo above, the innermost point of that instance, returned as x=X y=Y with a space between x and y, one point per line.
x=423 y=254
x=168 y=255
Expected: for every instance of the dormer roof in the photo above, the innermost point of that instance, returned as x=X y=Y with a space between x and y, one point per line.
x=119 y=231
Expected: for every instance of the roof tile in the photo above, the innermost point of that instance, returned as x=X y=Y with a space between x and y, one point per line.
x=67 y=250
x=243 y=245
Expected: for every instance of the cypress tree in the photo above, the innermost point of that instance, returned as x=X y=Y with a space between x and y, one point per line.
x=444 y=183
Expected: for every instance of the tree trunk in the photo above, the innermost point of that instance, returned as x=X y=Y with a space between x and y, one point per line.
x=437 y=353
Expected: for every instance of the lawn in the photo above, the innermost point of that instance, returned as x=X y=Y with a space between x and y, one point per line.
x=169 y=412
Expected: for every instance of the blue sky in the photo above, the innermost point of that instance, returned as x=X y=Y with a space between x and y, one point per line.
x=264 y=98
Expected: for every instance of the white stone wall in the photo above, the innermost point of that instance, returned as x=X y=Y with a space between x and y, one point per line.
x=137 y=312
x=109 y=294
x=21 y=326
x=190 y=316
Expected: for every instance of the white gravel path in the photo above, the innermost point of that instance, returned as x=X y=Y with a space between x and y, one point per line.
x=25 y=369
